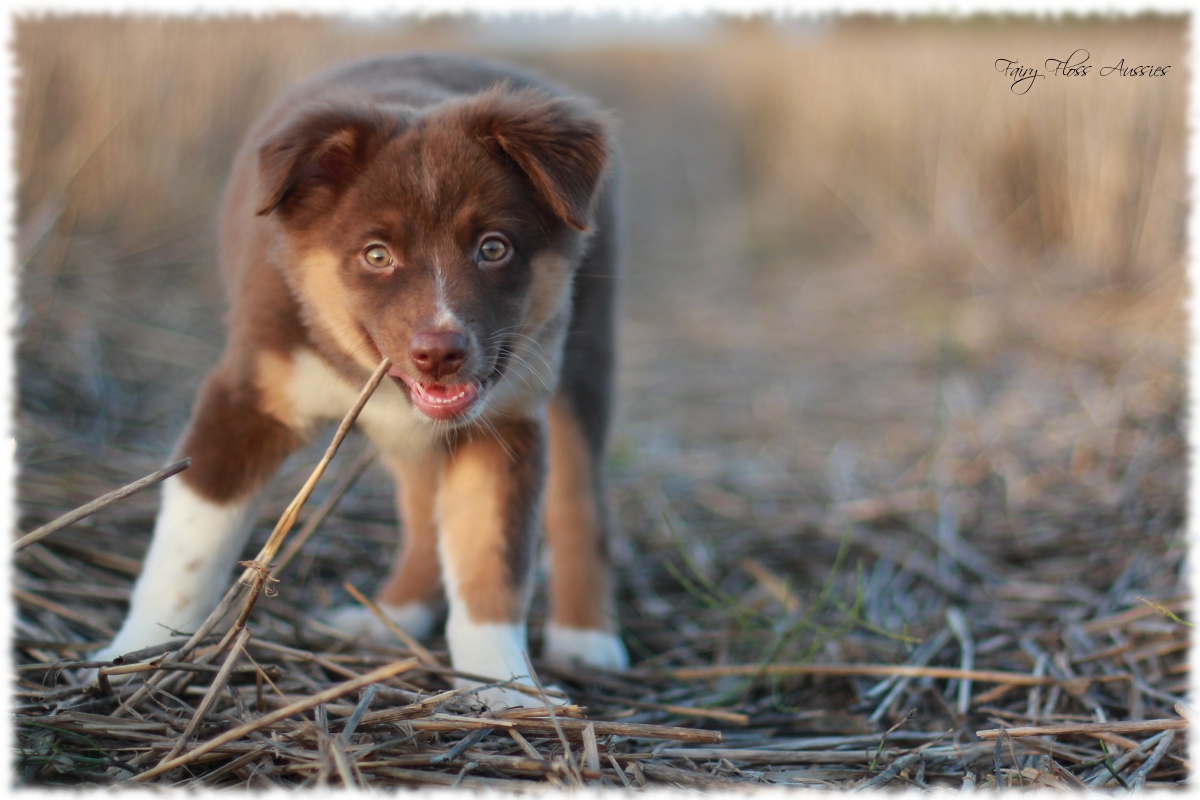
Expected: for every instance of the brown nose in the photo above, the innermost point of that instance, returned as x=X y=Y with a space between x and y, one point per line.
x=438 y=353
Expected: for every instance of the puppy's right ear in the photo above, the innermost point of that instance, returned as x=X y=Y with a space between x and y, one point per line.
x=319 y=151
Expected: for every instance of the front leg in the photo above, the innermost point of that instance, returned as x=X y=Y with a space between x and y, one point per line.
x=410 y=592
x=581 y=625
x=206 y=514
x=488 y=508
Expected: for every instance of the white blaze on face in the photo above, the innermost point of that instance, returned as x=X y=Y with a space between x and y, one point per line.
x=444 y=317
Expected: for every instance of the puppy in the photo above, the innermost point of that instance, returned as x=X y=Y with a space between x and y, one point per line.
x=457 y=217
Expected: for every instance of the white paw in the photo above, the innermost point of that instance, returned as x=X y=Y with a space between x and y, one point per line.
x=496 y=651
x=415 y=619
x=595 y=648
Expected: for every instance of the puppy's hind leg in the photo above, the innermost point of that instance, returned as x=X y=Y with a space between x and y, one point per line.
x=582 y=625
x=206 y=514
x=410 y=592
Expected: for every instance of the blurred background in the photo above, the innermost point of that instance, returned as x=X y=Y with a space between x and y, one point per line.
x=892 y=334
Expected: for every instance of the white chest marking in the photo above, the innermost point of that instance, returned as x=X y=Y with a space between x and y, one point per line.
x=319 y=394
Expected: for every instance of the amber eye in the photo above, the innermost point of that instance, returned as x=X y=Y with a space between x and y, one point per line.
x=493 y=250
x=378 y=257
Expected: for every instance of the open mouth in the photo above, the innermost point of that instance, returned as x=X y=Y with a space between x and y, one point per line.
x=438 y=401
x=444 y=402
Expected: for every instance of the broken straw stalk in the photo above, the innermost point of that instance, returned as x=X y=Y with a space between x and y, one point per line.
x=258 y=568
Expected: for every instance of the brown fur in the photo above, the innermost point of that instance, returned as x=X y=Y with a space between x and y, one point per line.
x=575 y=528
x=422 y=155
x=415 y=577
x=238 y=444
x=487 y=509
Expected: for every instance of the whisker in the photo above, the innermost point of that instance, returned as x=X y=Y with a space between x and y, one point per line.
x=512 y=456
x=529 y=372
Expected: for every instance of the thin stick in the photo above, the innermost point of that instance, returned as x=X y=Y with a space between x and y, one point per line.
x=1133 y=726
x=772 y=756
x=899 y=765
x=982 y=675
x=1050 y=765
x=424 y=706
x=993 y=693
x=544 y=727
x=572 y=767
x=272 y=545
x=958 y=624
x=261 y=565
x=683 y=777
x=467 y=782
x=1138 y=778
x=323 y=510
x=359 y=710
x=130 y=669
x=732 y=717
x=374 y=676
x=898 y=684
x=404 y=636
x=100 y=502
x=1109 y=771
x=290 y=514
x=217 y=685
x=535 y=764
x=31 y=599
x=1122 y=619
x=591 y=750
x=524 y=743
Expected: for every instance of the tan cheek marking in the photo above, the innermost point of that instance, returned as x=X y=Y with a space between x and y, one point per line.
x=543 y=318
x=579 y=568
x=273 y=379
x=473 y=531
x=548 y=295
x=327 y=299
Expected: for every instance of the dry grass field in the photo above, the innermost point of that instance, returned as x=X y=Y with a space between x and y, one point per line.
x=900 y=451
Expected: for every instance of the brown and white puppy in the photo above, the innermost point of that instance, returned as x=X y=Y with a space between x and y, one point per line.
x=455 y=216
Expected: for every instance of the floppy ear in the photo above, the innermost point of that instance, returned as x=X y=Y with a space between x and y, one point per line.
x=562 y=145
x=319 y=147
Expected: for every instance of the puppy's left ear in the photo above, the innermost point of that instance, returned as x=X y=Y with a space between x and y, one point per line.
x=561 y=144
x=320 y=149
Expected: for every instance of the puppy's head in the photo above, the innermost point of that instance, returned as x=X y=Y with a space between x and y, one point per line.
x=443 y=239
